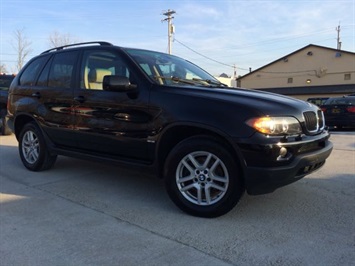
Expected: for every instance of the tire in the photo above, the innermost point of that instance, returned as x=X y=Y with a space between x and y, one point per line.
x=5 y=130
x=202 y=178
x=33 y=149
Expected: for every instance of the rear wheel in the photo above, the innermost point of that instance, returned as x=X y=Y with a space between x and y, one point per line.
x=202 y=178
x=33 y=150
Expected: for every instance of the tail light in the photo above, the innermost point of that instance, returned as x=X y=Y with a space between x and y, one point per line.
x=351 y=109
x=323 y=109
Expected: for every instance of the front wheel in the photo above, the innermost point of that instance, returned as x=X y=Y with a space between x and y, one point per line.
x=202 y=177
x=33 y=150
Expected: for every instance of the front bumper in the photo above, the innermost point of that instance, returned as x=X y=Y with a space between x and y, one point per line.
x=264 y=173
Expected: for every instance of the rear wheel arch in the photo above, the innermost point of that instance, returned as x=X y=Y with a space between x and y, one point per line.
x=20 y=121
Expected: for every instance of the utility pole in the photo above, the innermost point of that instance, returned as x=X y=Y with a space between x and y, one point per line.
x=169 y=18
x=338 y=38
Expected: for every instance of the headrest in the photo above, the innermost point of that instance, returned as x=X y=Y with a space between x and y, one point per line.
x=97 y=75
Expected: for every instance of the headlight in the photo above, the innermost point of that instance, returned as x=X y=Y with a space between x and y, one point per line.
x=276 y=125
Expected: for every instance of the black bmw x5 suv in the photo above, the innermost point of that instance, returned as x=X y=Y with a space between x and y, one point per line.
x=209 y=142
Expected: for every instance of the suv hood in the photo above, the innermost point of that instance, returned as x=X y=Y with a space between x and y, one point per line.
x=265 y=103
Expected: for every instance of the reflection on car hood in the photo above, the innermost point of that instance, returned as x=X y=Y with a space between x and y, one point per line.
x=265 y=102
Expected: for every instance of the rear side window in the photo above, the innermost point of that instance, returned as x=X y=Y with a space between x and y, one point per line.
x=61 y=71
x=29 y=75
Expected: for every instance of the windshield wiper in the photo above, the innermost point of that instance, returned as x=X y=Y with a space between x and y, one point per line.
x=211 y=82
x=178 y=80
x=194 y=81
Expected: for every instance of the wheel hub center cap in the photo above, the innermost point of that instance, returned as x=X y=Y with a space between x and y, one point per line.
x=202 y=178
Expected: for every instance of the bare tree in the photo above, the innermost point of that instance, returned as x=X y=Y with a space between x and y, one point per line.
x=3 y=68
x=57 y=39
x=22 y=47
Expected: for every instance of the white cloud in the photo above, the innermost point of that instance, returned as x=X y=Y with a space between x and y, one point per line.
x=196 y=11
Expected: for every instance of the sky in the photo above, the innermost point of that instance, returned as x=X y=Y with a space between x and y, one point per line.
x=218 y=35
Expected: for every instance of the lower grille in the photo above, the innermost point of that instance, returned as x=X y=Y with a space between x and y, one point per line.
x=310 y=168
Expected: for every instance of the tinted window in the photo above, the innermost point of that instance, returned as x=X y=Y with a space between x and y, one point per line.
x=98 y=64
x=43 y=78
x=61 y=72
x=168 y=69
x=29 y=76
x=317 y=101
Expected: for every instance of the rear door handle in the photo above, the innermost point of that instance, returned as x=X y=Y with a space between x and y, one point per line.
x=79 y=99
x=36 y=94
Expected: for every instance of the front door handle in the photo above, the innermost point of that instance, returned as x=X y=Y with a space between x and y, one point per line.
x=79 y=99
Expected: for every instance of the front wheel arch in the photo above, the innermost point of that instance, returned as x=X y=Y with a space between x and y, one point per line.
x=173 y=135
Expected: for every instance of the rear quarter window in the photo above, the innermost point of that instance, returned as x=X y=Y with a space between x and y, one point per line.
x=32 y=70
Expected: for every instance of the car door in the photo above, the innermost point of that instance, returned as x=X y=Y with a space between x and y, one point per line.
x=57 y=80
x=109 y=122
x=46 y=84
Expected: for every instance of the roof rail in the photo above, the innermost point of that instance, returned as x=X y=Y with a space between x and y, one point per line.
x=77 y=44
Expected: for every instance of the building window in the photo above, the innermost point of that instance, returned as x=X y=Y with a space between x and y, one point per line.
x=290 y=80
x=347 y=76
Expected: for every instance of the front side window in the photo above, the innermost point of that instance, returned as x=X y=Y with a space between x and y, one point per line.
x=61 y=71
x=97 y=64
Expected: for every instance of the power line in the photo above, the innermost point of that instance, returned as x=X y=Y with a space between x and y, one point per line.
x=209 y=58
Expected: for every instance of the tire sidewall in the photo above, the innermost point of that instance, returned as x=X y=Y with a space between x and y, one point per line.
x=31 y=127
x=235 y=187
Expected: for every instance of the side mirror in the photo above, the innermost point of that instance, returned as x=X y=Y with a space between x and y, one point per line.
x=117 y=83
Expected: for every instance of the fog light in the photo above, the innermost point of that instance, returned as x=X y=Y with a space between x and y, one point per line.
x=283 y=152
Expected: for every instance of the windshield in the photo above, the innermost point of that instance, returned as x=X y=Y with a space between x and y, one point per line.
x=341 y=101
x=166 y=69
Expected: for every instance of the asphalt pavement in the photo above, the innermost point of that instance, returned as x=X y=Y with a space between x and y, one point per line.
x=89 y=213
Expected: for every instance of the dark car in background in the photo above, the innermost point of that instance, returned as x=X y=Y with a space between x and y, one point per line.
x=339 y=111
x=318 y=100
x=5 y=81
